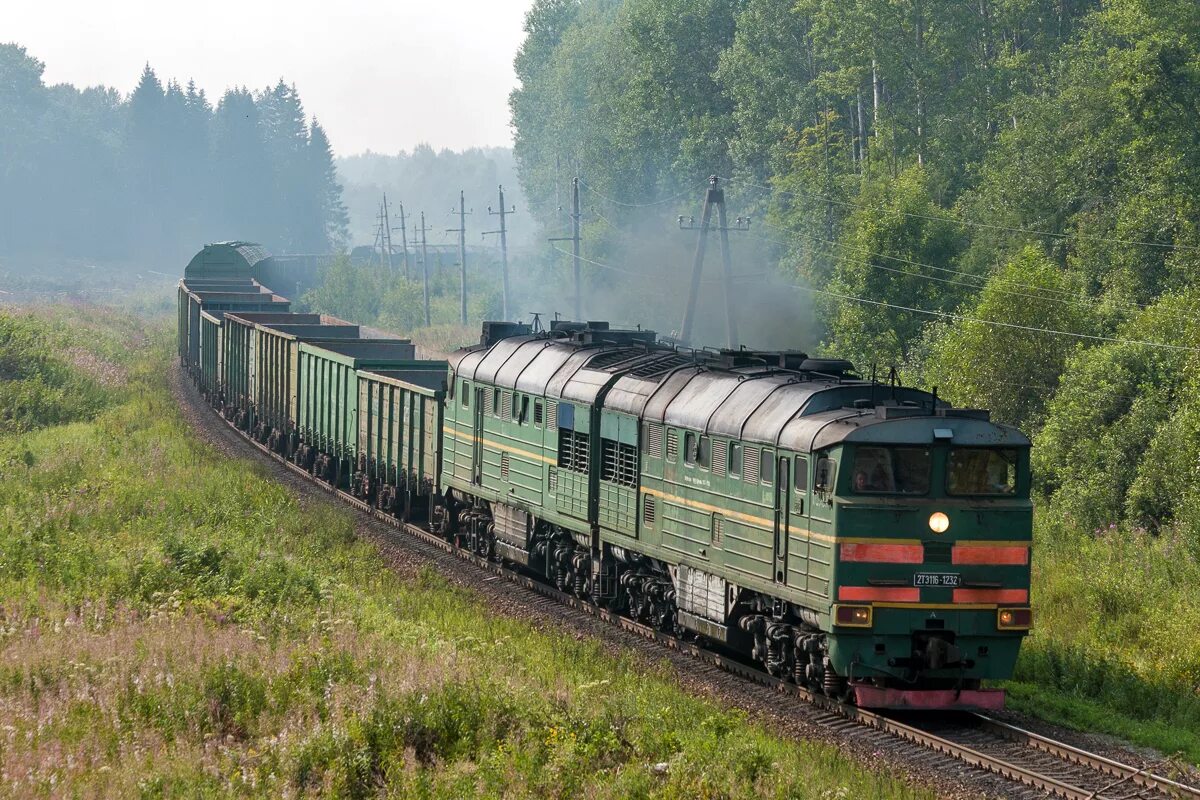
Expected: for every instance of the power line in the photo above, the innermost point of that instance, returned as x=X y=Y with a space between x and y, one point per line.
x=613 y=268
x=968 y=223
x=658 y=202
x=999 y=284
x=962 y=318
x=943 y=314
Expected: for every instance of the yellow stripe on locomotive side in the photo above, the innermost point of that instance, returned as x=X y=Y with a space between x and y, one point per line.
x=763 y=523
x=470 y=437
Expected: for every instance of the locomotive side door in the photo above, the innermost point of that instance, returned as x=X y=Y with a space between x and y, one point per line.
x=477 y=439
x=782 y=514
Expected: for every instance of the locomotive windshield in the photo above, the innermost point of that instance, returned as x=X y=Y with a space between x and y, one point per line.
x=981 y=470
x=891 y=470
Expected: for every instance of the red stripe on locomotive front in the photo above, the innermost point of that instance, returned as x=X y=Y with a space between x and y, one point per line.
x=883 y=553
x=983 y=554
x=991 y=595
x=894 y=594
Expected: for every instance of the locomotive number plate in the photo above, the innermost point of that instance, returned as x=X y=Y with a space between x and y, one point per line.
x=935 y=579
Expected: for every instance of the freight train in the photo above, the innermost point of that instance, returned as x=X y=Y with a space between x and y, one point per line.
x=863 y=539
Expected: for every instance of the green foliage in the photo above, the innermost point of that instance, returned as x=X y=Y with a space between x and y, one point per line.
x=1120 y=431
x=374 y=295
x=1011 y=370
x=38 y=384
x=898 y=225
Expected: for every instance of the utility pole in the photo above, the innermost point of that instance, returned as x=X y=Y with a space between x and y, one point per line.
x=404 y=240
x=387 y=232
x=713 y=196
x=461 y=230
x=502 y=213
x=574 y=240
x=424 y=267
x=377 y=246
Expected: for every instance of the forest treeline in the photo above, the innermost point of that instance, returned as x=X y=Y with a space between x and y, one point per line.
x=954 y=186
x=92 y=174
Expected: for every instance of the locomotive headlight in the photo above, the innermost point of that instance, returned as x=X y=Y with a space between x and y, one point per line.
x=1014 y=619
x=939 y=522
x=852 y=616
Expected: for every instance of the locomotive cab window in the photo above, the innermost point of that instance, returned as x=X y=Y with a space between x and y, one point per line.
x=826 y=470
x=466 y=394
x=801 y=473
x=891 y=470
x=697 y=450
x=735 y=460
x=981 y=471
x=766 y=467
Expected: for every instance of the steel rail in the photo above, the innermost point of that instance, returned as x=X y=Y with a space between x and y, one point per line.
x=1074 y=755
x=1025 y=775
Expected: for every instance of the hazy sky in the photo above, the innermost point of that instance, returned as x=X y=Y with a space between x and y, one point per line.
x=382 y=75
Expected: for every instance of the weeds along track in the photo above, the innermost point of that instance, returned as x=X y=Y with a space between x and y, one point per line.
x=960 y=754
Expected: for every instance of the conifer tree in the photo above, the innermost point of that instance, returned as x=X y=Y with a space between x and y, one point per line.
x=332 y=221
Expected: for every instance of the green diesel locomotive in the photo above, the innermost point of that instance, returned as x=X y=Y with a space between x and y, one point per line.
x=863 y=539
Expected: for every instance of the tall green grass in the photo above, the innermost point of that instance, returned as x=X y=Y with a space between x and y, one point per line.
x=175 y=624
x=1116 y=646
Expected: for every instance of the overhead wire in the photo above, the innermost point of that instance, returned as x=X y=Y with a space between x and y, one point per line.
x=941 y=314
x=965 y=222
x=622 y=204
x=996 y=323
x=1000 y=284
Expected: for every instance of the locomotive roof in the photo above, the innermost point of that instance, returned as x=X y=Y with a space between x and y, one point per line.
x=798 y=409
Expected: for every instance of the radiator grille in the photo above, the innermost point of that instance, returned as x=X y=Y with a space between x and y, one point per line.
x=537 y=412
x=750 y=458
x=551 y=415
x=654 y=440
x=506 y=405
x=720 y=456
x=672 y=446
x=649 y=511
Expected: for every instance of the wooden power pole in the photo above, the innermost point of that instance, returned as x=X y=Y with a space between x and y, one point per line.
x=502 y=231
x=404 y=241
x=574 y=240
x=461 y=230
x=387 y=232
x=424 y=268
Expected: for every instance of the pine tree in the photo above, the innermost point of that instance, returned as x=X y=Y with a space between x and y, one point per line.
x=324 y=187
x=241 y=170
x=147 y=156
x=285 y=133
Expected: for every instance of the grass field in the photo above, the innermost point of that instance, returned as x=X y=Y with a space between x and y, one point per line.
x=1115 y=648
x=171 y=625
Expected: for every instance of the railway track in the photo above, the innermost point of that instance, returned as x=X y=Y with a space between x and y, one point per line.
x=1036 y=765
